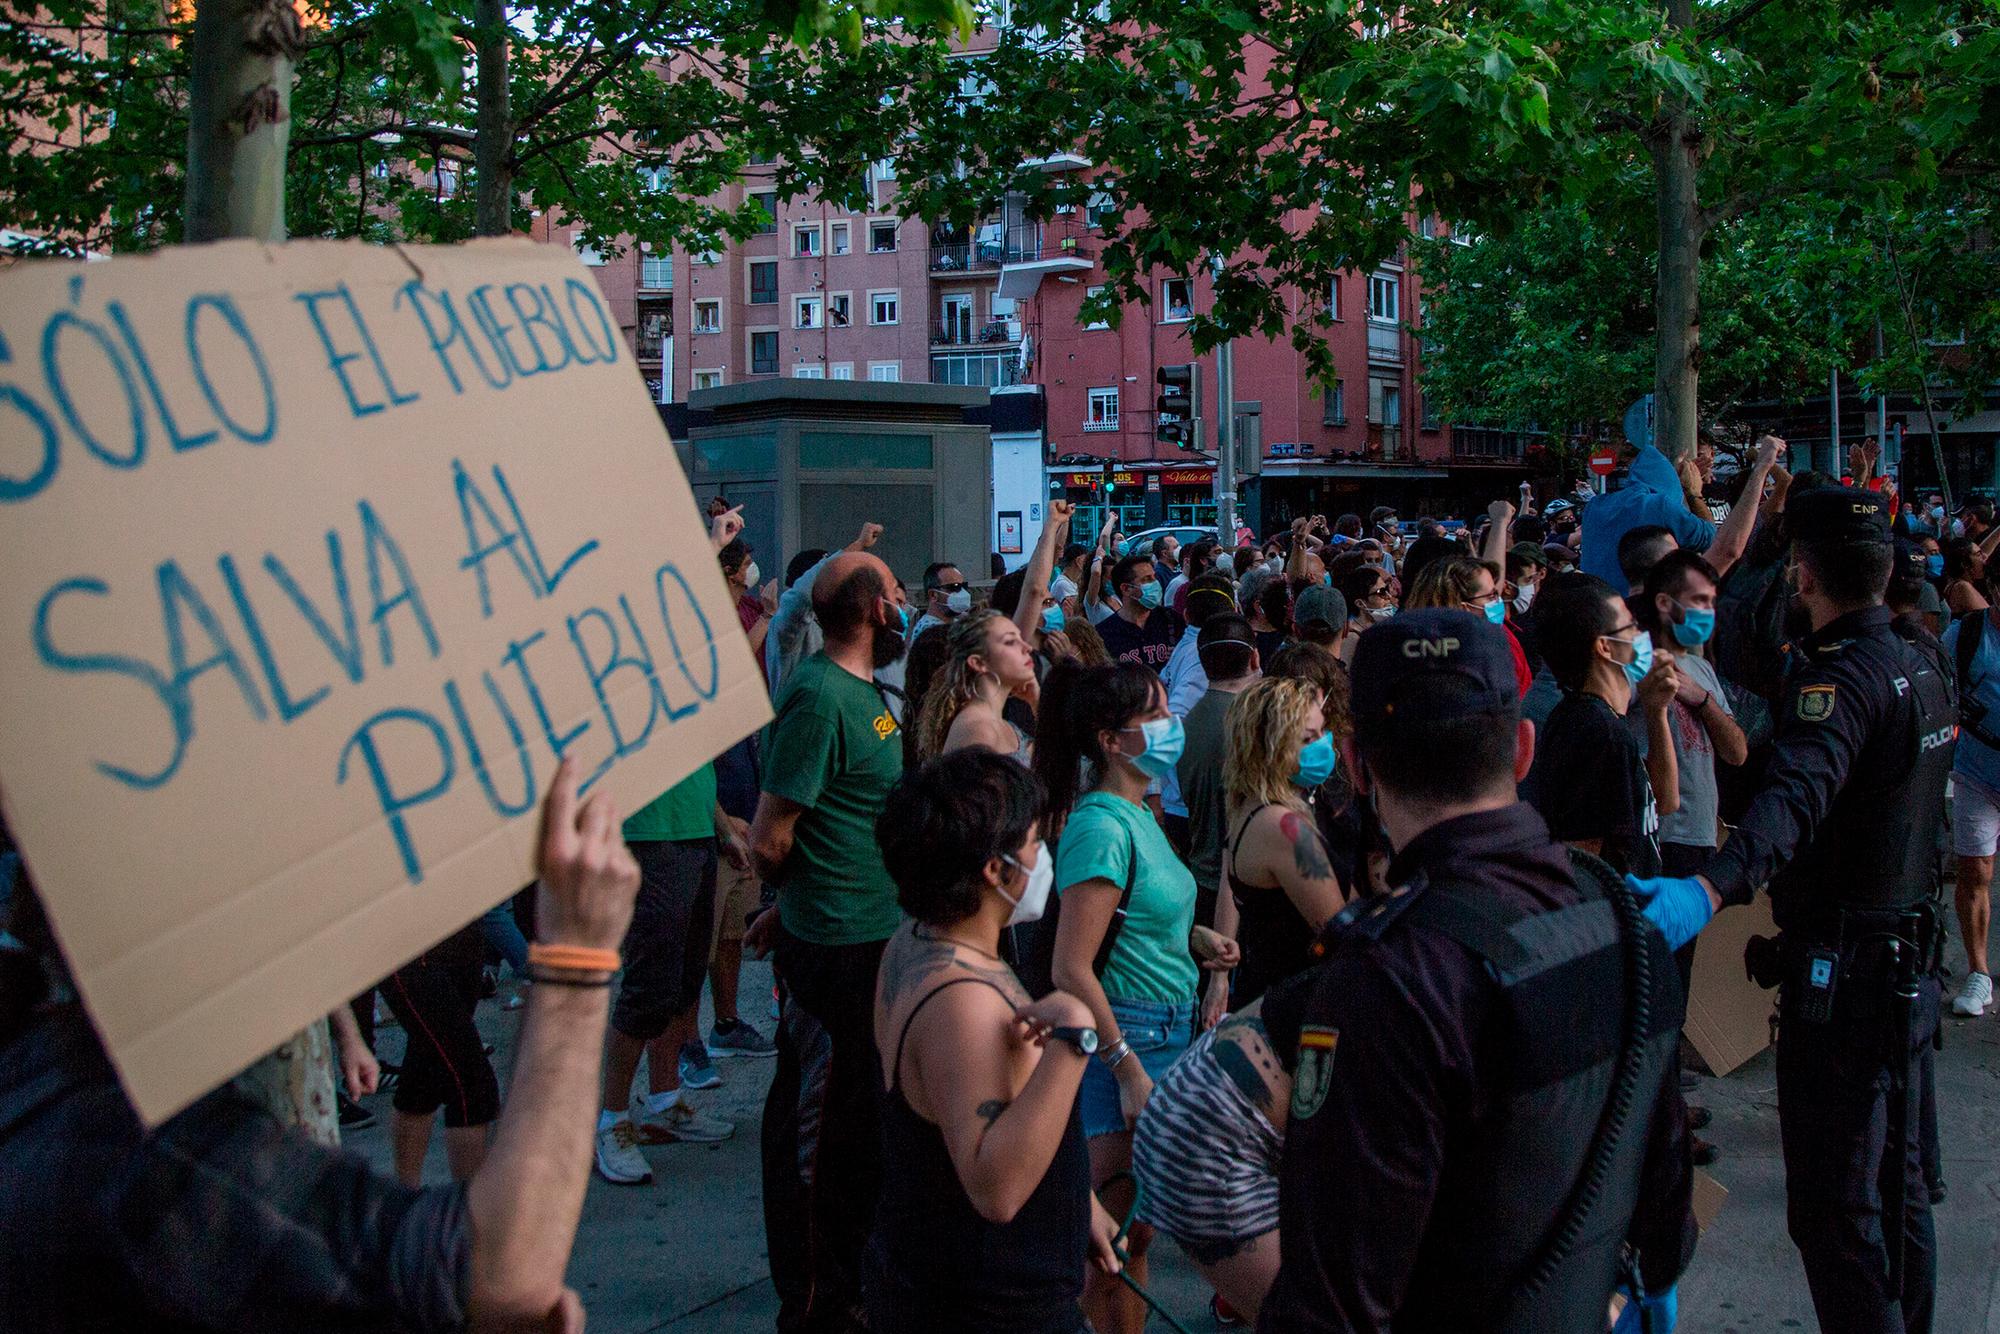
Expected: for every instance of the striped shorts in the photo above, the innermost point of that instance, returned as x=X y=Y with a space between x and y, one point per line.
x=1206 y=1159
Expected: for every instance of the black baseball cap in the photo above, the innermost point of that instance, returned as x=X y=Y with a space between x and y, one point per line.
x=1433 y=664
x=1838 y=514
x=1910 y=561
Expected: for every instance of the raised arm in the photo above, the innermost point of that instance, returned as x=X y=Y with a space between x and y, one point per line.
x=1093 y=595
x=526 y=1197
x=1035 y=583
x=1499 y=526
x=1732 y=539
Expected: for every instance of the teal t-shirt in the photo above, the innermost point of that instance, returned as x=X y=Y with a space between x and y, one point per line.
x=684 y=811
x=1150 y=961
x=834 y=748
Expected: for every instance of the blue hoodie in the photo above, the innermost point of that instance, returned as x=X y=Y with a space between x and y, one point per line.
x=1651 y=495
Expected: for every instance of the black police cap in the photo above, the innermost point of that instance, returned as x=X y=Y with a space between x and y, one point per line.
x=1838 y=514
x=1431 y=665
x=1910 y=561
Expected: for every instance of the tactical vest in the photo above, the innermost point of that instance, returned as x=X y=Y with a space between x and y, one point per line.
x=1875 y=850
x=1555 y=1040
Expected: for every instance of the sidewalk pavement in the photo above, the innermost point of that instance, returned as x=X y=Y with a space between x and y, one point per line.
x=686 y=1252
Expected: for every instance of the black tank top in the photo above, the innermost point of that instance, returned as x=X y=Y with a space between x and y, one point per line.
x=934 y=1264
x=1276 y=941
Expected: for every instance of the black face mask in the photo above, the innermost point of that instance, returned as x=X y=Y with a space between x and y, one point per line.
x=887 y=645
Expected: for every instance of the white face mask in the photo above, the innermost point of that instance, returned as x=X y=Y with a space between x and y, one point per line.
x=750 y=575
x=960 y=602
x=1525 y=597
x=1034 y=898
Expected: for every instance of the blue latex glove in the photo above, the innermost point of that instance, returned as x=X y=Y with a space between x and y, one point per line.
x=1658 y=1314
x=1679 y=907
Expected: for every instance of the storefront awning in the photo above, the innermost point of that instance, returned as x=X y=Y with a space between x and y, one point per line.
x=1315 y=468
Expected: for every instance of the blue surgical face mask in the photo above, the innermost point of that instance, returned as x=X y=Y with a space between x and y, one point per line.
x=1316 y=760
x=1694 y=627
x=1165 y=740
x=1934 y=566
x=959 y=601
x=1642 y=658
x=1149 y=595
x=1496 y=612
x=1053 y=620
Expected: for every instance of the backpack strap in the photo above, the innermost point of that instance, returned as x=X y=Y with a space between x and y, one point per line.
x=1118 y=914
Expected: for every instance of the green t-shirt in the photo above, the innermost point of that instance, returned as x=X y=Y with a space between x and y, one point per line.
x=1150 y=961
x=834 y=749
x=685 y=810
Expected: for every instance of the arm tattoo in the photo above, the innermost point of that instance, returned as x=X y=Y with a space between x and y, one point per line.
x=989 y=1111
x=1308 y=857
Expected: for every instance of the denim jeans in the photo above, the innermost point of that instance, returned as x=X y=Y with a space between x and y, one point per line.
x=1158 y=1033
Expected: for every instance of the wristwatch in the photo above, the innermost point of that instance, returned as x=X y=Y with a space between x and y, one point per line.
x=1083 y=1041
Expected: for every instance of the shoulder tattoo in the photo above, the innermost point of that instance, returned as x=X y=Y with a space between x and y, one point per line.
x=1308 y=856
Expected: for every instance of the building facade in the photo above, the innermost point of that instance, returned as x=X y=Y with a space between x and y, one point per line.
x=824 y=292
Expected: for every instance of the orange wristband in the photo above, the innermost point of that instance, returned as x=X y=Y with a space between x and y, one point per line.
x=574 y=958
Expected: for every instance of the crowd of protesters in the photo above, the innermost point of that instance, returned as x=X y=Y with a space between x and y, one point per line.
x=1046 y=873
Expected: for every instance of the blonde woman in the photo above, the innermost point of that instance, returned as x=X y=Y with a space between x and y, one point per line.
x=986 y=660
x=1460 y=583
x=1280 y=888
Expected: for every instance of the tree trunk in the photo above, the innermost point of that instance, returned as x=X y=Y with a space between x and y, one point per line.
x=239 y=127
x=239 y=119
x=1677 y=301
x=493 y=149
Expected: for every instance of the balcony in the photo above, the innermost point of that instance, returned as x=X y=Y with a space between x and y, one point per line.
x=970 y=257
x=656 y=273
x=966 y=333
x=1035 y=257
x=1385 y=442
x=1385 y=343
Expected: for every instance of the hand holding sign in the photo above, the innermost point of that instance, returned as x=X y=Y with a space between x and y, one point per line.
x=588 y=877
x=325 y=557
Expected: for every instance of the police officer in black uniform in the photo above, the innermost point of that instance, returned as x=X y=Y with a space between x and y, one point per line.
x=1468 y=1035
x=1844 y=830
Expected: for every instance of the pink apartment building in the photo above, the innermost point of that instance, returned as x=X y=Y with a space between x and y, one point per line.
x=825 y=292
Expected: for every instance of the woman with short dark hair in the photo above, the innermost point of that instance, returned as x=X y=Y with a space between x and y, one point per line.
x=986 y=1215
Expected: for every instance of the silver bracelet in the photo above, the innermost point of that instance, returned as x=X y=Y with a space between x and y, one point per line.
x=1114 y=1054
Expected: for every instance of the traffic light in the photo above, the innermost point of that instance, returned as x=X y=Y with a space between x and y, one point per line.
x=1178 y=406
x=1110 y=484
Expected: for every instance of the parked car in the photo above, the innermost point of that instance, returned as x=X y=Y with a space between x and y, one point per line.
x=1143 y=541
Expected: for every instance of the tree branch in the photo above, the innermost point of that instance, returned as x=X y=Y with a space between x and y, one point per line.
x=433 y=135
x=560 y=95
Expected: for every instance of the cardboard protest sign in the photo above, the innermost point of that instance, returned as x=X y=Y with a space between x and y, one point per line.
x=319 y=558
x=1728 y=1015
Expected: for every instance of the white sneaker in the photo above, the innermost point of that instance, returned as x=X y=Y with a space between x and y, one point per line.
x=1974 y=996
x=618 y=1158
x=680 y=1123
